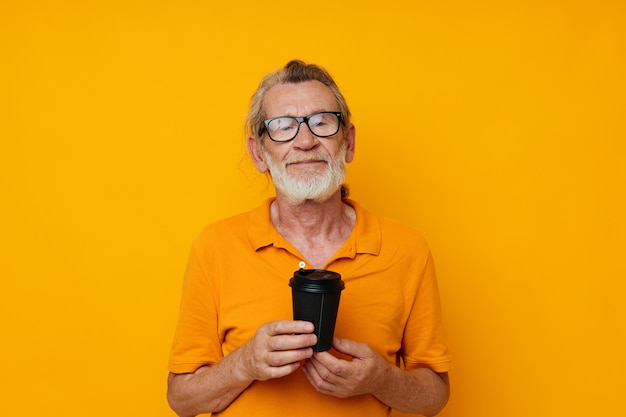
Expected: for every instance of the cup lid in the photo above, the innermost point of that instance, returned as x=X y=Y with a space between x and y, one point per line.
x=316 y=280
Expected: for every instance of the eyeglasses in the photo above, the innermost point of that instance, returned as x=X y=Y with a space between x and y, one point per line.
x=285 y=128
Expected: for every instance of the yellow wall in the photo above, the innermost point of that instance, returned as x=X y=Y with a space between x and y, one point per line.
x=497 y=128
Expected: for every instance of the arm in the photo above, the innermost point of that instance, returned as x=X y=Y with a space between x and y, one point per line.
x=420 y=391
x=275 y=351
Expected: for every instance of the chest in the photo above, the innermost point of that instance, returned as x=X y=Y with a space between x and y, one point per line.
x=373 y=307
x=318 y=252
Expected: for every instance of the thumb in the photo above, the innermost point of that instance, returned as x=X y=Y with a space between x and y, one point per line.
x=350 y=347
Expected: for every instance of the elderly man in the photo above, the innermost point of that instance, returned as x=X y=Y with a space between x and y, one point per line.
x=236 y=352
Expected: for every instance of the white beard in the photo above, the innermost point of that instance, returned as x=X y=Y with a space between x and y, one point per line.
x=315 y=186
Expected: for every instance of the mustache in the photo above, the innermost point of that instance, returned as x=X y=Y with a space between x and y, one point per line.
x=308 y=157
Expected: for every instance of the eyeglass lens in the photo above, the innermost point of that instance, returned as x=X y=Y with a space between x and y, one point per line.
x=286 y=128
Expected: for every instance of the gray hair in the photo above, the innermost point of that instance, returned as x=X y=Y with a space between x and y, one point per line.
x=294 y=72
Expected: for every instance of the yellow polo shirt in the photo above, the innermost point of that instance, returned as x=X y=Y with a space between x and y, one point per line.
x=237 y=279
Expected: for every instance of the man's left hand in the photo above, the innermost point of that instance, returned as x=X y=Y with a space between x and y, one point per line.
x=363 y=374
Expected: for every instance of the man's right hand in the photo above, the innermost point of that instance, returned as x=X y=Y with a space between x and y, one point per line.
x=274 y=351
x=277 y=349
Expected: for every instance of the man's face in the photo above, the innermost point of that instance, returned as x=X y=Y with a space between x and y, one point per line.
x=307 y=167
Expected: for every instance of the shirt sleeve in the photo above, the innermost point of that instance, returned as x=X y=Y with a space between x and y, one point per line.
x=196 y=340
x=424 y=343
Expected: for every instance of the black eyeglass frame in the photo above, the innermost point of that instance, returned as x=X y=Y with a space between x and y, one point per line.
x=301 y=120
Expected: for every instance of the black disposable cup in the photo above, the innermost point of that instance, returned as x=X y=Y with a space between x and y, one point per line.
x=315 y=294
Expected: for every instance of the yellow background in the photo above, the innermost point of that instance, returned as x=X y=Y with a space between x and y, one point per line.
x=496 y=128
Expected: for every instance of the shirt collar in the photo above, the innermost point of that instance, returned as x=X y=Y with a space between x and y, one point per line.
x=261 y=232
x=365 y=237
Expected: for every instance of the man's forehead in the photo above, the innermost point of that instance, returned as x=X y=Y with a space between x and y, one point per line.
x=307 y=94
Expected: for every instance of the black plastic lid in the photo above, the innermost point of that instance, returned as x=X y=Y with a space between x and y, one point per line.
x=316 y=280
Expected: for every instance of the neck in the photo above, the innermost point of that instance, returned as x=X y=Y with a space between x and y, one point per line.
x=328 y=221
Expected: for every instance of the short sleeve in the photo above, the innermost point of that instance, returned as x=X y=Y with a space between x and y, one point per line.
x=196 y=340
x=424 y=343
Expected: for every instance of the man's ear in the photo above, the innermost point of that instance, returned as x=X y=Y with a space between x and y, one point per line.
x=350 y=143
x=254 y=146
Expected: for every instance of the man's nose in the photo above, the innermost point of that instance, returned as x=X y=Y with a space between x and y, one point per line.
x=305 y=139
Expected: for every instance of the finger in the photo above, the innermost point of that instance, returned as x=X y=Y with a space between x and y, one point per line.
x=289 y=327
x=328 y=367
x=318 y=376
x=327 y=360
x=283 y=358
x=291 y=342
x=351 y=348
x=279 y=371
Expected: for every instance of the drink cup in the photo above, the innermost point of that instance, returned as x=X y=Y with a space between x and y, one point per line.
x=315 y=295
